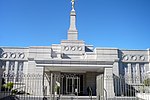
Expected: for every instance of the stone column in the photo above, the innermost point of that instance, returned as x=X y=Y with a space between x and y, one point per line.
x=31 y=66
x=7 y=67
x=116 y=68
x=108 y=82
x=149 y=59
x=16 y=67
x=7 y=71
x=129 y=78
x=51 y=86
x=138 y=73
x=15 y=70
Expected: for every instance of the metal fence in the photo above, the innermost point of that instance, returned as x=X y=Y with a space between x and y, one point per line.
x=36 y=87
x=129 y=88
x=22 y=87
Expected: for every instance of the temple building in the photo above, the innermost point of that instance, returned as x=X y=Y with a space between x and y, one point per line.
x=77 y=68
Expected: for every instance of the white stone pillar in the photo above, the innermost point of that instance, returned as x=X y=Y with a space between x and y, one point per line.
x=117 y=78
x=16 y=67
x=6 y=72
x=116 y=68
x=129 y=78
x=31 y=67
x=51 y=86
x=7 y=67
x=138 y=74
x=108 y=82
x=15 y=70
x=149 y=59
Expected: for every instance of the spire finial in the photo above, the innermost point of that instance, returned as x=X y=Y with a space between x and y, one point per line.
x=72 y=1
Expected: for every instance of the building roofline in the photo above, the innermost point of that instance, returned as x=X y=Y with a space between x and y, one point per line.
x=111 y=48
x=134 y=49
x=39 y=46
x=6 y=47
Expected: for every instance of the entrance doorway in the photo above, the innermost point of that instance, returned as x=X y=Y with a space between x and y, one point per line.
x=72 y=84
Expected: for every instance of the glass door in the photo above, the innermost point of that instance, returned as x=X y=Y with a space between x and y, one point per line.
x=72 y=85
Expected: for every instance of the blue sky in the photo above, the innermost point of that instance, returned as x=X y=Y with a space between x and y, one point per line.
x=123 y=24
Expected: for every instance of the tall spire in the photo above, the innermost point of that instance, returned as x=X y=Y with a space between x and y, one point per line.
x=72 y=32
x=73 y=4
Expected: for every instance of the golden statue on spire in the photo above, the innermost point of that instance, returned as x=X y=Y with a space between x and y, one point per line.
x=72 y=1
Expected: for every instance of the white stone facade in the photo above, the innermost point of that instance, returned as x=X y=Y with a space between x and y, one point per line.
x=73 y=56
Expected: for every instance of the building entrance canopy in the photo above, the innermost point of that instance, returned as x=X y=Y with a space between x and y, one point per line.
x=70 y=65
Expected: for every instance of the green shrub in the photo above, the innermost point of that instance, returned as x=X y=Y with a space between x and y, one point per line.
x=8 y=86
x=14 y=91
x=147 y=82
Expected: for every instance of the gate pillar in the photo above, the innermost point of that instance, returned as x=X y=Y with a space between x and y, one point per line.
x=108 y=82
x=100 y=87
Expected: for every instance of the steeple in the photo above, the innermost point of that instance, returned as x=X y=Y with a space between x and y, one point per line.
x=72 y=32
